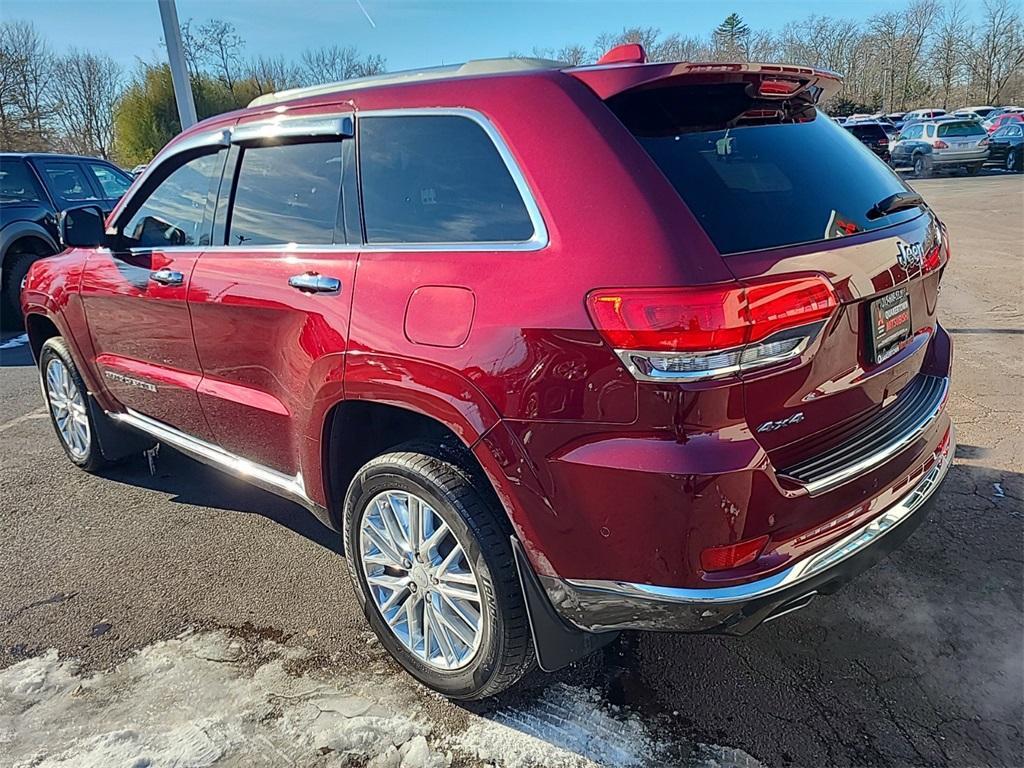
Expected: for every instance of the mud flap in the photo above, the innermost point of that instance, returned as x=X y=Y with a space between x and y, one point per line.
x=115 y=442
x=558 y=643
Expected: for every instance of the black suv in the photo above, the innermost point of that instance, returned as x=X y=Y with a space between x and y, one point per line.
x=34 y=189
x=873 y=136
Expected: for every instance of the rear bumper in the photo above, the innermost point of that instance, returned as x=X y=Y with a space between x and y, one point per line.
x=598 y=605
x=959 y=158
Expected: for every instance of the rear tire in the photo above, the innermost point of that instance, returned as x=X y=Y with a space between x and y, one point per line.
x=922 y=168
x=422 y=629
x=67 y=400
x=972 y=170
x=1013 y=161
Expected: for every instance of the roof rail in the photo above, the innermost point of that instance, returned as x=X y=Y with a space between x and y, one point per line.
x=449 y=71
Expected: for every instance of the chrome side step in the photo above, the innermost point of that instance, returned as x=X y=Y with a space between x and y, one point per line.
x=264 y=477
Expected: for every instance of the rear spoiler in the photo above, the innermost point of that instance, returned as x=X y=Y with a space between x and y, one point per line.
x=775 y=80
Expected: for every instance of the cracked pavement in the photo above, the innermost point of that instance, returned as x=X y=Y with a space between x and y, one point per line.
x=918 y=662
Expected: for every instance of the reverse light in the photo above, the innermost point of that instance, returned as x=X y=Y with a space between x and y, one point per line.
x=732 y=555
x=688 y=334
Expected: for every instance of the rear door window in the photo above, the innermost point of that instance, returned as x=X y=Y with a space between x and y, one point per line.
x=68 y=182
x=753 y=177
x=437 y=179
x=17 y=183
x=287 y=193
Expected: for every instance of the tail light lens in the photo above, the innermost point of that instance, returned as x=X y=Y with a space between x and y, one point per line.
x=940 y=144
x=732 y=555
x=983 y=142
x=687 y=334
x=883 y=142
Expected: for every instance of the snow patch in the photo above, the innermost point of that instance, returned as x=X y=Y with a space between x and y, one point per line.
x=197 y=701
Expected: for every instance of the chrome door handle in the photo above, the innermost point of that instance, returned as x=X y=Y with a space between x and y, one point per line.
x=311 y=282
x=167 y=277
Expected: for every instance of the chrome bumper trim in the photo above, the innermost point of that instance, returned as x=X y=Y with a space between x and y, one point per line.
x=889 y=433
x=810 y=566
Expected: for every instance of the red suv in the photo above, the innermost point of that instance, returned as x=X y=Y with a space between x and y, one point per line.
x=559 y=351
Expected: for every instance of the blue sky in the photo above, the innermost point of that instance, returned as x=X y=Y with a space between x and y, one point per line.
x=408 y=34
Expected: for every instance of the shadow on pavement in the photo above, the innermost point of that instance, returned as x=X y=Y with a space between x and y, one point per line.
x=190 y=482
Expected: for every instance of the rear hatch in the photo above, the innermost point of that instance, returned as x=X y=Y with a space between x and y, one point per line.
x=781 y=190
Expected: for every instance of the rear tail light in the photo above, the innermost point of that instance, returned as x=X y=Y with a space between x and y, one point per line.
x=688 y=334
x=983 y=142
x=883 y=142
x=732 y=555
x=940 y=144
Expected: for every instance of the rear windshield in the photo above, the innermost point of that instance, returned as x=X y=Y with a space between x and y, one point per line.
x=867 y=131
x=757 y=176
x=966 y=128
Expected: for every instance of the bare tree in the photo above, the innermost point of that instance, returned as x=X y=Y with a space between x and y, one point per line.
x=334 y=63
x=949 y=49
x=87 y=87
x=269 y=74
x=997 y=52
x=219 y=47
x=26 y=66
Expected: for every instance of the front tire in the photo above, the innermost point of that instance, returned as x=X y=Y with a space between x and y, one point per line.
x=14 y=273
x=429 y=554
x=67 y=400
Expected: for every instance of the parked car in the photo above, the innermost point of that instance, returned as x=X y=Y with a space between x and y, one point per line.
x=34 y=189
x=1006 y=118
x=671 y=363
x=941 y=145
x=980 y=112
x=897 y=119
x=872 y=135
x=923 y=114
x=1006 y=147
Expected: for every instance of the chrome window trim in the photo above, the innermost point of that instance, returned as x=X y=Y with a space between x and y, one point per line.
x=224 y=137
x=283 y=126
x=537 y=241
x=849 y=545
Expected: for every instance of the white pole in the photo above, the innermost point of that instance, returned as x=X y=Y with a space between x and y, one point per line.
x=176 y=57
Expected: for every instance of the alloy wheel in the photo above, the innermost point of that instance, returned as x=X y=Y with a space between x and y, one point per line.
x=68 y=408
x=420 y=579
x=1011 y=161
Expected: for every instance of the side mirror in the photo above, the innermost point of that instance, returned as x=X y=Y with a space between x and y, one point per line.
x=82 y=227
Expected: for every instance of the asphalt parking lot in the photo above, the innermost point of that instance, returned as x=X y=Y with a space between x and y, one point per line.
x=919 y=662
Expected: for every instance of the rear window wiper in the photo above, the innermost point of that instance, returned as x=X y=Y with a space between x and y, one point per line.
x=897 y=202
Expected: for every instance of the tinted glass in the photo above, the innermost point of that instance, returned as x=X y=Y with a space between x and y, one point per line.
x=68 y=182
x=437 y=179
x=1013 y=130
x=288 y=193
x=114 y=184
x=173 y=213
x=867 y=131
x=17 y=183
x=965 y=128
x=754 y=176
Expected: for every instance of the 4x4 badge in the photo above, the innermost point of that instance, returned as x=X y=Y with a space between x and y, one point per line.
x=909 y=255
x=772 y=426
